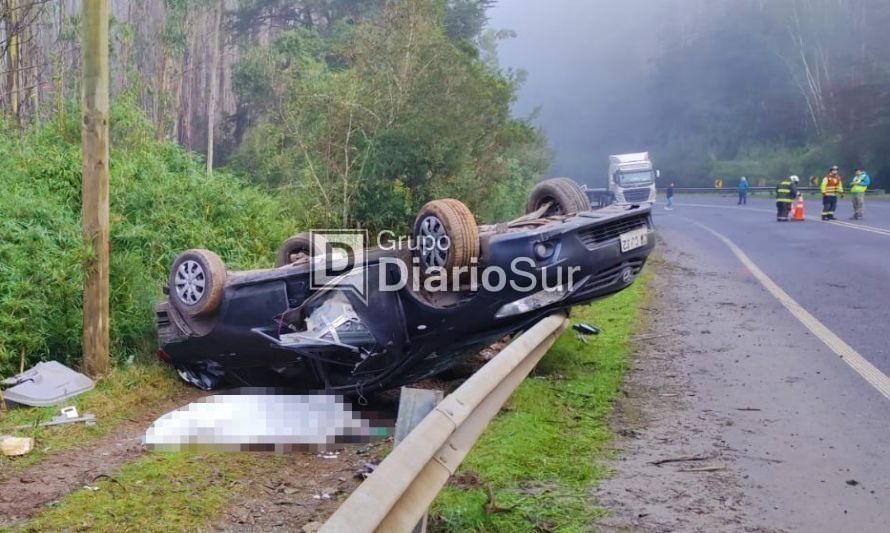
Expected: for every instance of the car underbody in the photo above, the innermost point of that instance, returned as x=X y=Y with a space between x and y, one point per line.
x=273 y=328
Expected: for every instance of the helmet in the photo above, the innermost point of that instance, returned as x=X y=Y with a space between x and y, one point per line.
x=795 y=179
x=835 y=167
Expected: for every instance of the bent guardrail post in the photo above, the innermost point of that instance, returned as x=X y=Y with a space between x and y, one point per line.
x=402 y=487
x=414 y=405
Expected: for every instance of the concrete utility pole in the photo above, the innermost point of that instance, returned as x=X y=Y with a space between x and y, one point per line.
x=94 y=141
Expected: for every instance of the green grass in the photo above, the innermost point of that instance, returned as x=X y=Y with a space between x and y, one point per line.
x=157 y=492
x=127 y=392
x=542 y=455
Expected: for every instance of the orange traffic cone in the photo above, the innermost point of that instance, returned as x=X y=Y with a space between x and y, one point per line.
x=798 y=209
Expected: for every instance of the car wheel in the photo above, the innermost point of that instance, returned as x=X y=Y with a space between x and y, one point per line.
x=196 y=282
x=447 y=235
x=564 y=195
x=294 y=249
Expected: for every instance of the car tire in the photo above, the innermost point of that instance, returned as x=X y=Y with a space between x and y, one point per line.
x=294 y=249
x=196 y=282
x=446 y=218
x=565 y=196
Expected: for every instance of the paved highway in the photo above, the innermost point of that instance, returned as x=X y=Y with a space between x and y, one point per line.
x=838 y=271
x=778 y=333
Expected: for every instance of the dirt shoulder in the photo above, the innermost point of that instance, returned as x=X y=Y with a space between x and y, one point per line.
x=27 y=491
x=656 y=419
x=762 y=427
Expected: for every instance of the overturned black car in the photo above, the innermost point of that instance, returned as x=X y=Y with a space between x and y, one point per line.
x=395 y=314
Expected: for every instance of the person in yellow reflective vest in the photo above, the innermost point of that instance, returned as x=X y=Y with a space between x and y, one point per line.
x=858 y=186
x=832 y=186
x=786 y=192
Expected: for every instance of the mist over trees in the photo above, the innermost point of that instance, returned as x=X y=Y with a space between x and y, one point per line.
x=368 y=108
x=365 y=109
x=715 y=89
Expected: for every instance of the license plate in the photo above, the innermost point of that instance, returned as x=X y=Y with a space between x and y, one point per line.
x=634 y=239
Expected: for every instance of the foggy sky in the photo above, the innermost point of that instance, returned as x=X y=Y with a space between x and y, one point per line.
x=587 y=63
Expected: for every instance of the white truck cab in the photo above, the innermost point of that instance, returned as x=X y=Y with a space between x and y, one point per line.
x=632 y=179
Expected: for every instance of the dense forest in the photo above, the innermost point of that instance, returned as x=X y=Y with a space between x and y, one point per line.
x=770 y=88
x=713 y=88
x=365 y=108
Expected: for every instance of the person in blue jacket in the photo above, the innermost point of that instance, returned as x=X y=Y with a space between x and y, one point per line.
x=743 y=191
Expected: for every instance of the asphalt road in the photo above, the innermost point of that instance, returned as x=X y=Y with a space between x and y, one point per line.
x=839 y=272
x=803 y=432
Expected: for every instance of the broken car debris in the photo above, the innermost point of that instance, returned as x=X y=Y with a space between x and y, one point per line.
x=47 y=383
x=88 y=419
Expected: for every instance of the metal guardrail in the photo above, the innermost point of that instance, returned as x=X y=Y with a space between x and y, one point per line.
x=398 y=493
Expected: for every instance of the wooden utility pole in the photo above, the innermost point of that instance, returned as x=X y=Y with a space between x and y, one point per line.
x=94 y=141
x=214 y=84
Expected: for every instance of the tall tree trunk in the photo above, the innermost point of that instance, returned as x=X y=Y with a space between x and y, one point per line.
x=214 y=84
x=12 y=59
x=186 y=109
x=160 y=100
x=34 y=69
x=60 y=84
x=94 y=141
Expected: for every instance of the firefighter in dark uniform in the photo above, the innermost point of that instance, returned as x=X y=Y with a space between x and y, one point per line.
x=786 y=192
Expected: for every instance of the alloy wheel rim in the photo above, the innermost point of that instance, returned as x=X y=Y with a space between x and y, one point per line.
x=190 y=281
x=434 y=242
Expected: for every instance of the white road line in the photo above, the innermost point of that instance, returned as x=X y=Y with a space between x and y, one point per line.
x=870 y=229
x=854 y=360
x=740 y=208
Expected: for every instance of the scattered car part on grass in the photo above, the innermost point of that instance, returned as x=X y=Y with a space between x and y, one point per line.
x=274 y=328
x=88 y=419
x=586 y=329
x=47 y=383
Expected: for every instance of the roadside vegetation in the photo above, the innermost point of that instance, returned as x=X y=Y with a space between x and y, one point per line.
x=541 y=456
x=161 y=204
x=338 y=114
